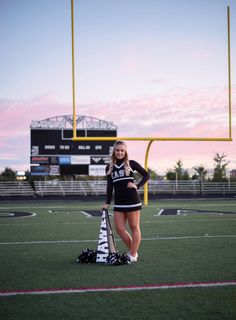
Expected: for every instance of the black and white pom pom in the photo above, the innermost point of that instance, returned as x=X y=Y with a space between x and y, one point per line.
x=117 y=259
x=113 y=259
x=87 y=256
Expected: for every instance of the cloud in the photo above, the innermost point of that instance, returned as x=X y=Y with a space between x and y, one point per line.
x=174 y=114
x=178 y=113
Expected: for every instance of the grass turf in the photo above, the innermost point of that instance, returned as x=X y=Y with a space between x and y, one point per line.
x=175 y=249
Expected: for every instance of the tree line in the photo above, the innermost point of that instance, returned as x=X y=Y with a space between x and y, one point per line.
x=178 y=172
x=220 y=164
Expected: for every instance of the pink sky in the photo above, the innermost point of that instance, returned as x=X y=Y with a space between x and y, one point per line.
x=179 y=113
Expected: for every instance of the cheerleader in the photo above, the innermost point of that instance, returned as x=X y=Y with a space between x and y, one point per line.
x=127 y=204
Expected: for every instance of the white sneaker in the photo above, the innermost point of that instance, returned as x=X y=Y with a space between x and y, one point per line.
x=133 y=258
x=129 y=254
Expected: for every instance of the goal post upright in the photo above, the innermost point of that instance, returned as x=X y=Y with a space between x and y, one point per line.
x=229 y=72
x=73 y=69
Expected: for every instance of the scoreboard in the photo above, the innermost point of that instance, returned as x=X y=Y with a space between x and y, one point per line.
x=53 y=152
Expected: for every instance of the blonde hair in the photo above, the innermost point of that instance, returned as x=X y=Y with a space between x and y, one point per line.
x=114 y=159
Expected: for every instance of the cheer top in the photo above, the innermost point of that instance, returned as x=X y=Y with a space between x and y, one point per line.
x=126 y=199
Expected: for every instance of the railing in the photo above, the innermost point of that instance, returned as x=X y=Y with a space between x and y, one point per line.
x=15 y=188
x=194 y=187
x=96 y=188
x=67 y=188
x=86 y=188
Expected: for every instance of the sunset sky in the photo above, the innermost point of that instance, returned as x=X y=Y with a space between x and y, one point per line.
x=153 y=68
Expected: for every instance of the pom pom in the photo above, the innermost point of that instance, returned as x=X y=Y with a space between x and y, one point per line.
x=87 y=256
x=117 y=259
x=113 y=259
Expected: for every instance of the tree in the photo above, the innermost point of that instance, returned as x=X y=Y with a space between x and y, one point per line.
x=170 y=175
x=182 y=174
x=220 y=165
x=8 y=175
x=178 y=173
x=185 y=175
x=153 y=174
x=179 y=169
x=201 y=172
x=201 y=175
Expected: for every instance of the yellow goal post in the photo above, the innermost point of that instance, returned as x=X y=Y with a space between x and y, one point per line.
x=150 y=140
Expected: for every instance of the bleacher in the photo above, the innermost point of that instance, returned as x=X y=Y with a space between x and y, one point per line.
x=16 y=188
x=68 y=188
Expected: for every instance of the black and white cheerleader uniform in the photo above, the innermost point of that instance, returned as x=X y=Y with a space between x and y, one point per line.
x=125 y=199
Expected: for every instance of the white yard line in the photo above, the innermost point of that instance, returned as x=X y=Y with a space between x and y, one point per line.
x=159 y=213
x=86 y=214
x=118 y=288
x=95 y=221
x=88 y=241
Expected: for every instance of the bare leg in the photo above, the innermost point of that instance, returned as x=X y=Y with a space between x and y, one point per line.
x=120 y=219
x=134 y=224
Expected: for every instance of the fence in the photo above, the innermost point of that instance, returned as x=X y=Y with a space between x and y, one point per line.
x=85 y=188
x=96 y=188
x=192 y=187
x=15 y=188
x=67 y=188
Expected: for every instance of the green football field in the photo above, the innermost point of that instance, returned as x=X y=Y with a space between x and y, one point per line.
x=186 y=267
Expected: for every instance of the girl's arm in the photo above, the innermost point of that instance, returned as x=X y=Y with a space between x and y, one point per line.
x=109 y=191
x=144 y=173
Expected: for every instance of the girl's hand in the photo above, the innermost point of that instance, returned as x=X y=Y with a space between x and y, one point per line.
x=105 y=206
x=132 y=185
